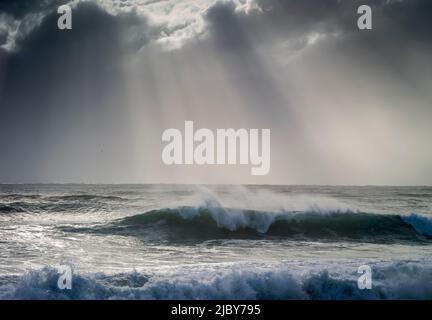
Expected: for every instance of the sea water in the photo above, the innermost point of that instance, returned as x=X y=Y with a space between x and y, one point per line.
x=215 y=242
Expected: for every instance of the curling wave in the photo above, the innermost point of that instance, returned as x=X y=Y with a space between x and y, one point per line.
x=202 y=223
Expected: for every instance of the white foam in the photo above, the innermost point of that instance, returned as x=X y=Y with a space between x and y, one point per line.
x=271 y=208
x=392 y=280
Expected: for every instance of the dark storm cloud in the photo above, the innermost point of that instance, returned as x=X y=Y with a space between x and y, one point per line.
x=381 y=57
x=276 y=19
x=399 y=28
x=62 y=92
x=96 y=43
x=3 y=39
x=247 y=73
x=291 y=19
x=21 y=17
x=18 y=9
x=282 y=19
x=58 y=76
x=238 y=35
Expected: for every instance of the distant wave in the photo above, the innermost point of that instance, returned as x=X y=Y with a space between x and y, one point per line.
x=42 y=207
x=11 y=208
x=395 y=281
x=19 y=203
x=200 y=223
x=85 y=197
x=19 y=196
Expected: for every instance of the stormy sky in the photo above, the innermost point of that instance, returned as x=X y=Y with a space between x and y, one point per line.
x=89 y=105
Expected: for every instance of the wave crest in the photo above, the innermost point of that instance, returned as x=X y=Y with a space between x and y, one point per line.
x=201 y=223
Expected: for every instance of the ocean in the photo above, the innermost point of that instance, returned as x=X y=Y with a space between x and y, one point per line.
x=215 y=242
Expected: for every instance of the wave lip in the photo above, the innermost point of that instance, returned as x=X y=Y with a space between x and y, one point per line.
x=201 y=223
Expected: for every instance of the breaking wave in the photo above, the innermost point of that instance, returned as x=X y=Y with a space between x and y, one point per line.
x=398 y=280
x=200 y=223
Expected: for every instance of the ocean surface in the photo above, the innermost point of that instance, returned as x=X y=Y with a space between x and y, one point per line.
x=215 y=242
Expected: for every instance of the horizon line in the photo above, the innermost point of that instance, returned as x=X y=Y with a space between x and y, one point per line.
x=210 y=184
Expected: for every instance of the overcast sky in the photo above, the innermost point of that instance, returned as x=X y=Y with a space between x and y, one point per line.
x=345 y=106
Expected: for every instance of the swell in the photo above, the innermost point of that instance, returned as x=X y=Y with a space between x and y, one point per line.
x=201 y=223
x=17 y=203
x=85 y=197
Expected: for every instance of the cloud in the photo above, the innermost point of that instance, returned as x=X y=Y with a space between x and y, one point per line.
x=173 y=22
x=65 y=88
x=19 y=18
x=287 y=65
x=7 y=27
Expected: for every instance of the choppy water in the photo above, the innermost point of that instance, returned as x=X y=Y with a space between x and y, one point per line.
x=214 y=242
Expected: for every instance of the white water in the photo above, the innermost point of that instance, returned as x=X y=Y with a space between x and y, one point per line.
x=34 y=235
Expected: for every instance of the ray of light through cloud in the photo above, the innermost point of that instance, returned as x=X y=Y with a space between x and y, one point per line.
x=342 y=104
